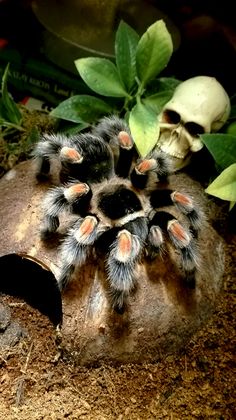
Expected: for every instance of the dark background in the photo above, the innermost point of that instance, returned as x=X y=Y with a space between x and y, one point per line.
x=207 y=31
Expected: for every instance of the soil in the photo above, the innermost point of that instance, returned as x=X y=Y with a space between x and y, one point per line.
x=38 y=382
x=198 y=383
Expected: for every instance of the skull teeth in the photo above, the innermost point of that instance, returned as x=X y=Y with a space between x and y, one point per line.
x=172 y=154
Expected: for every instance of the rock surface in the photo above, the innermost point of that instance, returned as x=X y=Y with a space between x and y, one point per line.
x=162 y=314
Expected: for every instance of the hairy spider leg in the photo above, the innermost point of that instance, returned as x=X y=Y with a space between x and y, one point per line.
x=124 y=253
x=126 y=153
x=77 y=246
x=182 y=240
x=184 y=203
x=157 y=163
x=84 y=157
x=48 y=146
x=89 y=160
x=116 y=133
x=74 y=198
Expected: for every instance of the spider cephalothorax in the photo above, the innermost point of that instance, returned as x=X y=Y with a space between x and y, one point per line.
x=125 y=219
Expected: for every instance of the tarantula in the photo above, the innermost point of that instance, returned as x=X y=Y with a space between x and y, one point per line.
x=118 y=201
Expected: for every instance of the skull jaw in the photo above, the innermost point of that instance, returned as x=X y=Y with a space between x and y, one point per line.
x=179 y=163
x=179 y=146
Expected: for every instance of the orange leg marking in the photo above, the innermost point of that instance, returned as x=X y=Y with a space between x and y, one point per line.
x=146 y=165
x=125 y=139
x=178 y=232
x=125 y=243
x=71 y=154
x=88 y=226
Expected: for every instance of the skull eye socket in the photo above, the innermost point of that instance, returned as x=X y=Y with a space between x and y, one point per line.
x=194 y=129
x=171 y=117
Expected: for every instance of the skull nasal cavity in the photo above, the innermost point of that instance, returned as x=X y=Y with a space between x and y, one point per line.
x=171 y=117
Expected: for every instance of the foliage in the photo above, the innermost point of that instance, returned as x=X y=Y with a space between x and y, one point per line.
x=18 y=129
x=10 y=115
x=130 y=84
x=222 y=147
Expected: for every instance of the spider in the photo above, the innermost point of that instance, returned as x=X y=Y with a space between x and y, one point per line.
x=118 y=201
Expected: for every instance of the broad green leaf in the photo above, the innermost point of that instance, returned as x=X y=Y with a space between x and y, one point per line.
x=144 y=128
x=81 y=108
x=231 y=129
x=157 y=101
x=125 y=49
x=101 y=75
x=3 y=114
x=232 y=204
x=222 y=147
x=154 y=51
x=224 y=186
x=74 y=128
x=168 y=83
x=161 y=84
x=9 y=109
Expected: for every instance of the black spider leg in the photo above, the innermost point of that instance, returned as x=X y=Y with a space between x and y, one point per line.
x=183 y=202
x=77 y=246
x=126 y=153
x=96 y=162
x=116 y=133
x=157 y=163
x=182 y=240
x=74 y=198
x=83 y=157
x=124 y=253
x=50 y=146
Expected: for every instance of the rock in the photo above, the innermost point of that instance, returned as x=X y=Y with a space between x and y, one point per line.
x=12 y=335
x=5 y=317
x=162 y=314
x=10 y=329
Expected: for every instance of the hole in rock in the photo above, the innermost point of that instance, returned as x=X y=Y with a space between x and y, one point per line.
x=24 y=277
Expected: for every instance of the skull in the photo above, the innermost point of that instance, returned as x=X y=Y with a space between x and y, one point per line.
x=199 y=105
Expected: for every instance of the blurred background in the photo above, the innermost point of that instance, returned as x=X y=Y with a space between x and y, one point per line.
x=42 y=38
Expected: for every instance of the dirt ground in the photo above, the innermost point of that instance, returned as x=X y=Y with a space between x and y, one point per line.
x=198 y=383
x=37 y=382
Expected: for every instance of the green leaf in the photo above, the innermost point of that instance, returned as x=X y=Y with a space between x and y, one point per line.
x=161 y=84
x=231 y=129
x=224 y=186
x=81 y=108
x=9 y=109
x=158 y=100
x=31 y=139
x=222 y=147
x=168 y=83
x=74 y=128
x=125 y=49
x=144 y=128
x=101 y=75
x=154 y=51
x=232 y=204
